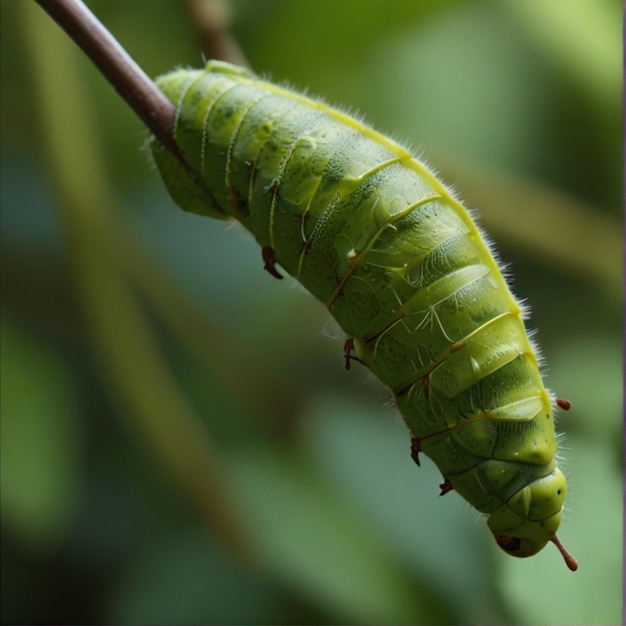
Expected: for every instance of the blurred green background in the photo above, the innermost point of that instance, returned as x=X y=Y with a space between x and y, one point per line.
x=180 y=441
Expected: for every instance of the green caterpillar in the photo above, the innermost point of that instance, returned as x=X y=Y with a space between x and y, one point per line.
x=371 y=232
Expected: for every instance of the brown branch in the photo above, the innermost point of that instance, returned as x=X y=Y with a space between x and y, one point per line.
x=128 y=79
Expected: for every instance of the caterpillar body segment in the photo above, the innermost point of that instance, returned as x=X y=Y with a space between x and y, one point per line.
x=372 y=233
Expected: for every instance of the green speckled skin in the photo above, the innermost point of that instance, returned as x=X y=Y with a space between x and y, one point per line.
x=371 y=232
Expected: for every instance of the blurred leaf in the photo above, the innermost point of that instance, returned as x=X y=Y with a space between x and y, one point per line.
x=584 y=43
x=339 y=33
x=41 y=439
x=595 y=392
x=436 y=84
x=315 y=543
x=183 y=578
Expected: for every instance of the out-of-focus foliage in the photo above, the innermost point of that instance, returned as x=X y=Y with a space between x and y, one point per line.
x=180 y=441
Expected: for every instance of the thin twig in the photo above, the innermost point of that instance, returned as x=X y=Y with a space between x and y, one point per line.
x=212 y=19
x=128 y=79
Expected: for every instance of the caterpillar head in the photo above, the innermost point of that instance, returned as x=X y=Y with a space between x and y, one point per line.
x=531 y=517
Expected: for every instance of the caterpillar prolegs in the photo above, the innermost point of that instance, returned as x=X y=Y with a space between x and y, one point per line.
x=373 y=233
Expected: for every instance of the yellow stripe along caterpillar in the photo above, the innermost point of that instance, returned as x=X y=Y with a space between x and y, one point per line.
x=372 y=232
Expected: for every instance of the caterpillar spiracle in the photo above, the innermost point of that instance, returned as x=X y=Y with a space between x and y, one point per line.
x=372 y=232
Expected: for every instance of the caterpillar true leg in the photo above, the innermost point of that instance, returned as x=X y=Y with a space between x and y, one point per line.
x=269 y=259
